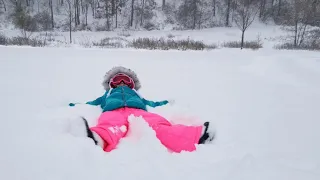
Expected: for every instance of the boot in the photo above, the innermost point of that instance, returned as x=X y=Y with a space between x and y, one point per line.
x=208 y=134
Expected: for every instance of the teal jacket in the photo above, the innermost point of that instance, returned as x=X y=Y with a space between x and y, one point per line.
x=123 y=96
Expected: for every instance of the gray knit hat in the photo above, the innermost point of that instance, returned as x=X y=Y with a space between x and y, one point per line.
x=120 y=69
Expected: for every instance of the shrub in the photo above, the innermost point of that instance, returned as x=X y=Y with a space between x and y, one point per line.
x=150 y=43
x=3 y=39
x=112 y=42
x=306 y=46
x=247 y=44
x=23 y=41
x=211 y=46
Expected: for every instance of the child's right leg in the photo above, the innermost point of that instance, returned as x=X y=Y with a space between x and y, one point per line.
x=111 y=127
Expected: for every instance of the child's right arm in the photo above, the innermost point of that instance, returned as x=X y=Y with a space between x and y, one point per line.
x=95 y=102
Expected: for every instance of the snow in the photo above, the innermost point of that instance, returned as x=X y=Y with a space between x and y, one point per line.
x=264 y=105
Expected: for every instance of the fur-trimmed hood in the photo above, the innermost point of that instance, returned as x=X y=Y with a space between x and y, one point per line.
x=119 y=69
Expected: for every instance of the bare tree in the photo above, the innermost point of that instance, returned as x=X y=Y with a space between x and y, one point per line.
x=214 y=4
x=69 y=13
x=132 y=13
x=113 y=7
x=85 y=8
x=38 y=5
x=93 y=9
x=279 y=7
x=272 y=7
x=163 y=4
x=316 y=12
x=142 y=12
x=262 y=8
x=117 y=9
x=51 y=12
x=228 y=12
x=3 y=5
x=194 y=12
x=245 y=13
x=16 y=3
x=119 y=5
x=299 y=19
x=76 y=12
x=108 y=13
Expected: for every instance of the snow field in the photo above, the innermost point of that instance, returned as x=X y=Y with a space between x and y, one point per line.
x=264 y=105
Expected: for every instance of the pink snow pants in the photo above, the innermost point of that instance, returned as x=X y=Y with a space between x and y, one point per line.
x=114 y=125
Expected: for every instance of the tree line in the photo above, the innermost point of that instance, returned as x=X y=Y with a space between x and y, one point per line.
x=297 y=16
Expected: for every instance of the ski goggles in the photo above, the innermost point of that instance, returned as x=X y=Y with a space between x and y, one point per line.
x=117 y=79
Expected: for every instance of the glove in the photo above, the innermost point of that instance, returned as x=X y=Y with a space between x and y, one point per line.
x=171 y=101
x=72 y=104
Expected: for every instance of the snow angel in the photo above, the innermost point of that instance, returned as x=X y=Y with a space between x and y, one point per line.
x=121 y=99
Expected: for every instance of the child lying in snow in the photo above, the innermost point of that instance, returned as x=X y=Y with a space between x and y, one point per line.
x=121 y=99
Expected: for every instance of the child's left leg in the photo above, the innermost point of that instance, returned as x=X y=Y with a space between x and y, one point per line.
x=176 y=137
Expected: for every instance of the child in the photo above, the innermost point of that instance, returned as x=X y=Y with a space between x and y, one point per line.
x=121 y=99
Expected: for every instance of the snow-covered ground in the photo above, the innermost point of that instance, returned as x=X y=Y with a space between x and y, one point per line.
x=264 y=105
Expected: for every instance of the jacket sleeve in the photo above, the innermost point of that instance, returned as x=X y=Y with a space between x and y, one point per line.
x=97 y=101
x=155 y=104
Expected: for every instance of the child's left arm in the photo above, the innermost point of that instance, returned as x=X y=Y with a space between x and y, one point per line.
x=155 y=104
